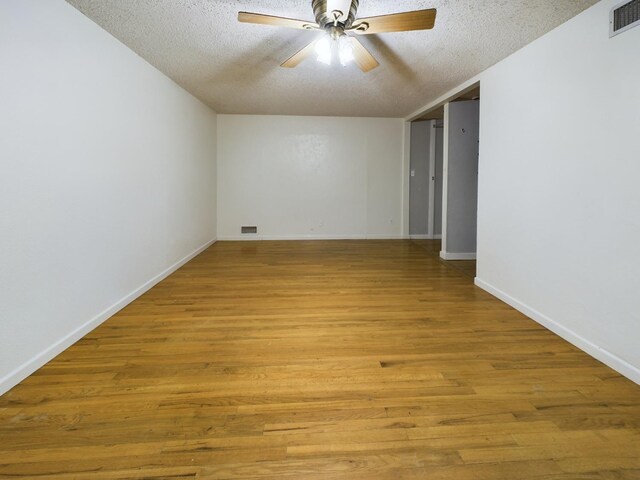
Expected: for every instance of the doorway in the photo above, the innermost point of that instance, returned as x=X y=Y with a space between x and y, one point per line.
x=444 y=202
x=426 y=180
x=460 y=195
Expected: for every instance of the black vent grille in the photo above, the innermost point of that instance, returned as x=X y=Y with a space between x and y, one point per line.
x=625 y=16
x=248 y=230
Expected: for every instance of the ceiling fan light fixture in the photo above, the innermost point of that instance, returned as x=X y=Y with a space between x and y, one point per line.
x=323 y=50
x=338 y=18
x=345 y=50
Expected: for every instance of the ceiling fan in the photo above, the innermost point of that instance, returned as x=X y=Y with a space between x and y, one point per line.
x=337 y=18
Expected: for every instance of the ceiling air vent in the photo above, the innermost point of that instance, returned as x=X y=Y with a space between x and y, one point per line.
x=624 y=17
x=247 y=230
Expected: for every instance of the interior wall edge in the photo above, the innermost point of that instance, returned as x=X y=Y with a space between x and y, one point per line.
x=608 y=358
x=406 y=180
x=23 y=371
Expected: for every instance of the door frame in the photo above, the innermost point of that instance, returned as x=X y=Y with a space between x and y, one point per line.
x=432 y=179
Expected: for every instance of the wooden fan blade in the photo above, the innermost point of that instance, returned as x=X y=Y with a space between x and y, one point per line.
x=362 y=57
x=301 y=55
x=259 y=18
x=396 y=22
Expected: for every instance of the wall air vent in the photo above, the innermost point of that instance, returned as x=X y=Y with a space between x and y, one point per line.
x=623 y=17
x=249 y=230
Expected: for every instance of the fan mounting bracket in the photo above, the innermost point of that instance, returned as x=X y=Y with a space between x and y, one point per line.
x=325 y=18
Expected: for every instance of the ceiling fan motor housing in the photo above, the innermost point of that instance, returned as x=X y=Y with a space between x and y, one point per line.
x=326 y=20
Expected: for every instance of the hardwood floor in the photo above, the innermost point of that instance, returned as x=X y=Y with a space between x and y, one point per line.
x=321 y=360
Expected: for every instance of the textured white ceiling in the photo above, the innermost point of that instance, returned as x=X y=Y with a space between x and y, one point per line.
x=234 y=67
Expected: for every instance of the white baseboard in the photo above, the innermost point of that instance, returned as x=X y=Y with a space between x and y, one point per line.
x=23 y=371
x=255 y=238
x=606 y=357
x=385 y=237
x=457 y=256
x=425 y=237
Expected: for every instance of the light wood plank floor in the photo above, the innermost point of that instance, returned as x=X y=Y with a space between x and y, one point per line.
x=321 y=360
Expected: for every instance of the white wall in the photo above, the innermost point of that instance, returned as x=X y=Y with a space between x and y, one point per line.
x=107 y=179
x=559 y=206
x=460 y=182
x=310 y=177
